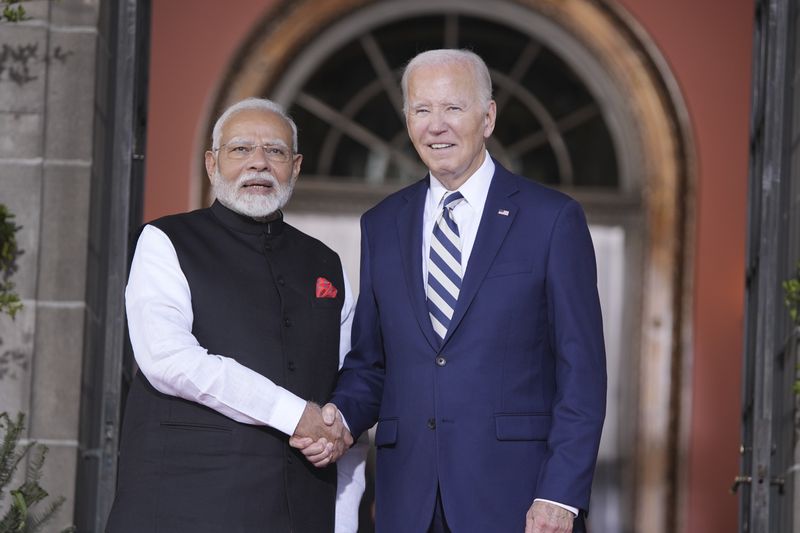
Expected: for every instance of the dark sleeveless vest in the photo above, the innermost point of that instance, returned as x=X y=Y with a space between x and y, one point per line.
x=186 y=468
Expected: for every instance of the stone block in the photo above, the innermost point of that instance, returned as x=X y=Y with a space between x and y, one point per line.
x=64 y=233
x=21 y=192
x=23 y=67
x=74 y=13
x=21 y=136
x=56 y=378
x=16 y=349
x=70 y=96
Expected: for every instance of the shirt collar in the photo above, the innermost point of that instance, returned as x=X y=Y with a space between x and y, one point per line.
x=245 y=224
x=474 y=190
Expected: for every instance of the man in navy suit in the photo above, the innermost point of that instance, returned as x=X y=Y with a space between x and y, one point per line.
x=477 y=339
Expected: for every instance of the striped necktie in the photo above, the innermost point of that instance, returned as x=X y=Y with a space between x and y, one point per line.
x=444 y=267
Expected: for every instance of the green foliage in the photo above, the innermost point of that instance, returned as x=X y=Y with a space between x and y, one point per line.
x=791 y=296
x=13 y=11
x=9 y=300
x=20 y=518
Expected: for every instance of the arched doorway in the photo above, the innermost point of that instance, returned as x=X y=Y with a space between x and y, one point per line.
x=587 y=106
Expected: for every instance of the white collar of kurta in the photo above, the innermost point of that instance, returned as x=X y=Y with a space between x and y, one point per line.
x=474 y=190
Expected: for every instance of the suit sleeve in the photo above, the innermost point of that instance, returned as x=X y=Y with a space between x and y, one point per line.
x=360 y=386
x=576 y=339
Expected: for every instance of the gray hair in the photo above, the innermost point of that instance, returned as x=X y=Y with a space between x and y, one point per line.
x=252 y=103
x=446 y=56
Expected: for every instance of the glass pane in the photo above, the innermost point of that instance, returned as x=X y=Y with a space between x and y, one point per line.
x=592 y=154
x=546 y=93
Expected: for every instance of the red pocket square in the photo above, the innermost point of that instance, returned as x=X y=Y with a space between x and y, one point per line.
x=325 y=289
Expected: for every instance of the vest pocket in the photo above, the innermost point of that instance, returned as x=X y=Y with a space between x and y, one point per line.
x=185 y=442
x=523 y=426
x=194 y=426
x=386 y=433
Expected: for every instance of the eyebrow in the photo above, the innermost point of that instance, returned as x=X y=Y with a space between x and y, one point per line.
x=439 y=103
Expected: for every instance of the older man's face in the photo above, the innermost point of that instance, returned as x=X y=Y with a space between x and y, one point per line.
x=447 y=123
x=254 y=170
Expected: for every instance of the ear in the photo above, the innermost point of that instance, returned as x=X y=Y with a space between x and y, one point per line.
x=491 y=114
x=211 y=164
x=297 y=161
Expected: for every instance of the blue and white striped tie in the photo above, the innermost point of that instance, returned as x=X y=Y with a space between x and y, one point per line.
x=444 y=267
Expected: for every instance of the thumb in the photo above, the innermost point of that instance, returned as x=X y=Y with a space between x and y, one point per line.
x=329 y=414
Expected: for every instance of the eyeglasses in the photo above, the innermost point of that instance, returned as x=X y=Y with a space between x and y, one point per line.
x=242 y=150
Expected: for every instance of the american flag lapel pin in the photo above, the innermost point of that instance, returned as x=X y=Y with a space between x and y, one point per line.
x=503 y=212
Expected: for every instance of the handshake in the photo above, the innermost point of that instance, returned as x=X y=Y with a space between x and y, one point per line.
x=321 y=435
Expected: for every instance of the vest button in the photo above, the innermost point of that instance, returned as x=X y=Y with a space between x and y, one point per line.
x=281 y=281
x=441 y=361
x=431 y=423
x=267 y=246
x=287 y=322
x=291 y=366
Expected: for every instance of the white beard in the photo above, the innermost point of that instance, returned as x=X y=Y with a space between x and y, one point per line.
x=235 y=197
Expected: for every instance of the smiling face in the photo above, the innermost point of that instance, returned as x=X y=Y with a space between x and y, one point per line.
x=256 y=186
x=447 y=122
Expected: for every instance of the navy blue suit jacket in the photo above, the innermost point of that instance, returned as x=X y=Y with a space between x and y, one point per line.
x=511 y=406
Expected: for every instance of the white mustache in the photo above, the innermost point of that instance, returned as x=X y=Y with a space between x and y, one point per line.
x=249 y=177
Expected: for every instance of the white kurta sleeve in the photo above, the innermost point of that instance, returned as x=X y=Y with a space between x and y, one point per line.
x=158 y=304
x=350 y=467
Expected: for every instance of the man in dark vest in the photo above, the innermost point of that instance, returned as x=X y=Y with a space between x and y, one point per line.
x=239 y=323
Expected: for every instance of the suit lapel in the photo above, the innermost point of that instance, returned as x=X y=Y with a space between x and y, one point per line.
x=409 y=229
x=498 y=215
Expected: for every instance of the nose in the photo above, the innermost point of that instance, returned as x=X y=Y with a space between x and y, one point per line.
x=438 y=122
x=258 y=161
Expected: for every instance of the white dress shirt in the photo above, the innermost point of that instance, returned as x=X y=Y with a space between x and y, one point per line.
x=467 y=215
x=158 y=302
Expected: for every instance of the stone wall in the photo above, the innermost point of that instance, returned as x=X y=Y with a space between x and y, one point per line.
x=47 y=85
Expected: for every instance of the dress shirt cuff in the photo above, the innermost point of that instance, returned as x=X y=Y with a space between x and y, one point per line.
x=344 y=421
x=572 y=510
x=287 y=411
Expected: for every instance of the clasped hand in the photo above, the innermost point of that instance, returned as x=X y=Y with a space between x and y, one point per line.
x=321 y=435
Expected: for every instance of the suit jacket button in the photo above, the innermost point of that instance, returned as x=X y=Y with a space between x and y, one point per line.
x=441 y=361
x=431 y=423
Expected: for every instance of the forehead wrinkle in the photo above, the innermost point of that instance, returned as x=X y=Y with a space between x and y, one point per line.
x=273 y=142
x=460 y=102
